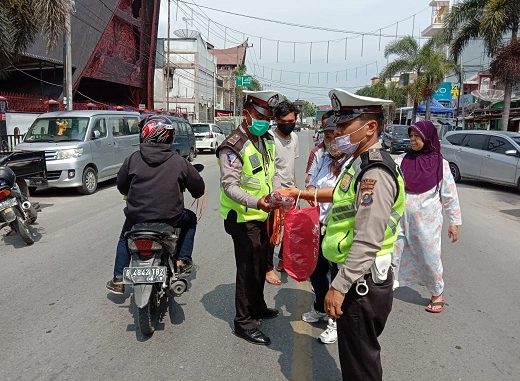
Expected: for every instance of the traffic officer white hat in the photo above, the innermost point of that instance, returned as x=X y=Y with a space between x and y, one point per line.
x=348 y=106
x=264 y=101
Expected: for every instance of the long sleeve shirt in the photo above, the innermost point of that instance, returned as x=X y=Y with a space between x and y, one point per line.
x=370 y=225
x=230 y=174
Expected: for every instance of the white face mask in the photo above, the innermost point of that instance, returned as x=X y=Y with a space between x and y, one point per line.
x=344 y=145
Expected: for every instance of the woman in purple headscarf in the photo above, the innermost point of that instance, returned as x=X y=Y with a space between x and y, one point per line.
x=430 y=190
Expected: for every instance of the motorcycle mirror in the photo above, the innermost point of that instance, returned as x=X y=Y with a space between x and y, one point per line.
x=199 y=167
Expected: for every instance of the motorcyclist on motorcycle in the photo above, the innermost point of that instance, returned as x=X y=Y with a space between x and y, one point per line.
x=153 y=180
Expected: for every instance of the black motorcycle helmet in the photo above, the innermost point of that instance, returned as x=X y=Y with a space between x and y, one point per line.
x=7 y=177
x=156 y=129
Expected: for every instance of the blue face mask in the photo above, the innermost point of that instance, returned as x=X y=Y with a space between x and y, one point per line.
x=258 y=127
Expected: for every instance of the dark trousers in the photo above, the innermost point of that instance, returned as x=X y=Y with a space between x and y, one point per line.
x=320 y=280
x=188 y=225
x=363 y=320
x=251 y=246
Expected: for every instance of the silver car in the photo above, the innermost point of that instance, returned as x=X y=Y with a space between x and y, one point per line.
x=491 y=156
x=82 y=148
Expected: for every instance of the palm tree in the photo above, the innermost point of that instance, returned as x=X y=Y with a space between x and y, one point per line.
x=490 y=20
x=21 y=21
x=427 y=62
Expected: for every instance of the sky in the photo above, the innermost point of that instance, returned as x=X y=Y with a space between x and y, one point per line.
x=289 y=73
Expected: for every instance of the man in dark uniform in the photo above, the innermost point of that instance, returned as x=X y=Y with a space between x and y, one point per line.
x=368 y=202
x=247 y=168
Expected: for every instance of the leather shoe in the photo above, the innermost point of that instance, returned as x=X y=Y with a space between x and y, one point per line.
x=254 y=336
x=269 y=313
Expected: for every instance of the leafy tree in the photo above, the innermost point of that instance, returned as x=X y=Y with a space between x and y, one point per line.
x=427 y=62
x=390 y=91
x=309 y=109
x=496 y=22
x=21 y=21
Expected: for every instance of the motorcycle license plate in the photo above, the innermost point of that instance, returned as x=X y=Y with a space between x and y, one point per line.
x=9 y=203
x=154 y=274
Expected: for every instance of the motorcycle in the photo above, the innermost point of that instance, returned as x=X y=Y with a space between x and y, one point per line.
x=153 y=270
x=16 y=210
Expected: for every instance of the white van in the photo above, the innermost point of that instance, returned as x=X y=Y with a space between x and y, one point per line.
x=82 y=148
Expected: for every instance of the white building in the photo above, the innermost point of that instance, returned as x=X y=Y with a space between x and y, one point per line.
x=191 y=68
x=474 y=57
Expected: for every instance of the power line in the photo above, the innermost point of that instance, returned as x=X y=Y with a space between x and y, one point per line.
x=350 y=32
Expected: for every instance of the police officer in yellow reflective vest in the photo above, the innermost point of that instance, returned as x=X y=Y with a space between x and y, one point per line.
x=362 y=227
x=246 y=160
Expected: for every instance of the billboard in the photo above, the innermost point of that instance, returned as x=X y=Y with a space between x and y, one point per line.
x=443 y=92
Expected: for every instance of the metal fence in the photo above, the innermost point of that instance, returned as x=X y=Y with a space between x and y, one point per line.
x=8 y=142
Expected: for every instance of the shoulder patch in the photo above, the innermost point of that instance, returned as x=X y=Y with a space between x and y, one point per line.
x=234 y=139
x=345 y=182
x=367 y=185
x=375 y=155
x=366 y=188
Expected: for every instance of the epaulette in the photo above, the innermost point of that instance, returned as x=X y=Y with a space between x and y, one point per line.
x=374 y=154
x=234 y=139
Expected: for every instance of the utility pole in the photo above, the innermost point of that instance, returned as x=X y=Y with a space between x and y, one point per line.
x=168 y=63
x=67 y=60
x=462 y=92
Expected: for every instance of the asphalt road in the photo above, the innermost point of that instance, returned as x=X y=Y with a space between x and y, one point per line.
x=58 y=323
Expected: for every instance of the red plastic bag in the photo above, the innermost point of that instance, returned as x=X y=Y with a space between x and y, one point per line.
x=301 y=239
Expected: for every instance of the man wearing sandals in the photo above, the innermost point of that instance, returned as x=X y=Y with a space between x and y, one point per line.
x=367 y=203
x=287 y=151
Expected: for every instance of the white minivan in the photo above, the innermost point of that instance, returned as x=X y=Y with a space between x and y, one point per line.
x=82 y=148
x=207 y=136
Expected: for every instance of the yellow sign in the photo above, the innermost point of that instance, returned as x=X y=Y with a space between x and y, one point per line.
x=455 y=90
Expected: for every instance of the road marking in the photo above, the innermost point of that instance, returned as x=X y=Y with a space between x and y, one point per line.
x=301 y=365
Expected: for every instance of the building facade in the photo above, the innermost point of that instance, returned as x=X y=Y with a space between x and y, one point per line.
x=185 y=76
x=113 y=54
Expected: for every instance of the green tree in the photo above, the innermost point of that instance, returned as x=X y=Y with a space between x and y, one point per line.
x=21 y=21
x=309 y=109
x=427 y=63
x=390 y=91
x=496 y=22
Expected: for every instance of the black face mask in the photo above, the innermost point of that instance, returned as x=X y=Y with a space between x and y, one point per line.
x=286 y=128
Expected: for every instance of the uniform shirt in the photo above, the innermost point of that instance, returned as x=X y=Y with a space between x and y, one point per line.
x=322 y=177
x=231 y=171
x=287 y=151
x=370 y=226
x=314 y=156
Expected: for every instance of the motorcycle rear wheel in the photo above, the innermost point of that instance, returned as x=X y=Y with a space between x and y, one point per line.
x=23 y=230
x=149 y=314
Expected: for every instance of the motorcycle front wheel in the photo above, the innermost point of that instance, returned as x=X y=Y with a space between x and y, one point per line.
x=149 y=314
x=23 y=230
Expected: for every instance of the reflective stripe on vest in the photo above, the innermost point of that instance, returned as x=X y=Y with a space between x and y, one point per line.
x=255 y=180
x=339 y=234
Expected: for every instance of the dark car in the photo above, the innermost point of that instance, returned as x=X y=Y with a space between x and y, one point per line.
x=184 y=143
x=396 y=138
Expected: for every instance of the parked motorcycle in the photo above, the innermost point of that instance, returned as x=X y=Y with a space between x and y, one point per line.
x=16 y=210
x=153 y=269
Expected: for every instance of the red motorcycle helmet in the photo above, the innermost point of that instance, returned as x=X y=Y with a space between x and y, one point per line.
x=156 y=129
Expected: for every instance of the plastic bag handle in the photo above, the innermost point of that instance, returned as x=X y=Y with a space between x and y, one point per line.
x=298 y=199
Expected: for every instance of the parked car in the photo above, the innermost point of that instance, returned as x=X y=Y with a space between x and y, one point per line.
x=82 y=148
x=396 y=138
x=208 y=136
x=490 y=156
x=184 y=143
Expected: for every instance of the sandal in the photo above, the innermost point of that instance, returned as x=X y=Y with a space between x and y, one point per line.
x=279 y=266
x=431 y=306
x=272 y=278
